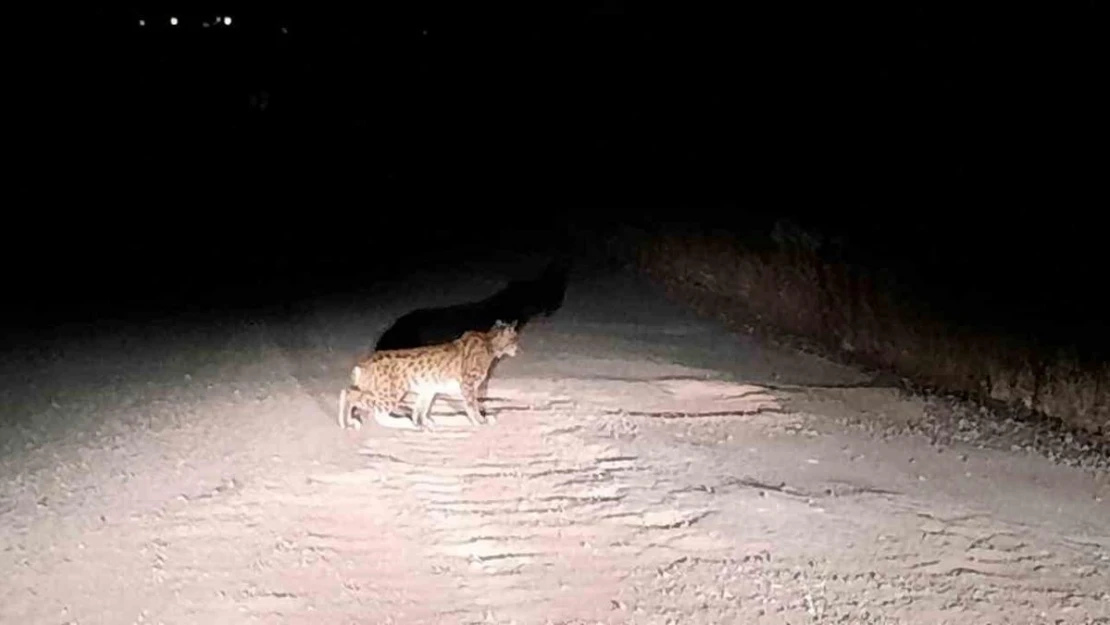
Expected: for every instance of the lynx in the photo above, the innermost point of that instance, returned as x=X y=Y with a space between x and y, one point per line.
x=460 y=367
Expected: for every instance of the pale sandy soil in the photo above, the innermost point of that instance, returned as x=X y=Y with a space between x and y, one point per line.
x=643 y=470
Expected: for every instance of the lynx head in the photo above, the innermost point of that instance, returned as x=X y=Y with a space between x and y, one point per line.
x=503 y=338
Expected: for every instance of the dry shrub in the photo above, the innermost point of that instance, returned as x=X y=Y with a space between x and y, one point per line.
x=869 y=317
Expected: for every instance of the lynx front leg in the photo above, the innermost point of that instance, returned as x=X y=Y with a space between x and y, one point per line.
x=469 y=394
x=483 y=391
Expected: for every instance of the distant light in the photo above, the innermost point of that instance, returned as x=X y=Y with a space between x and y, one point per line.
x=227 y=21
x=173 y=21
x=142 y=22
x=425 y=32
x=205 y=24
x=284 y=30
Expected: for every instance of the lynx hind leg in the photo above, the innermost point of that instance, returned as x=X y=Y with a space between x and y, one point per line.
x=383 y=408
x=349 y=398
x=344 y=411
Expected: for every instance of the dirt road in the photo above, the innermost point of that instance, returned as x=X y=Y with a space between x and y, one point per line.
x=647 y=467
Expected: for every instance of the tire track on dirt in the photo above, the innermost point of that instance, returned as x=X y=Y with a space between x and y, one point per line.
x=825 y=561
x=532 y=504
x=289 y=551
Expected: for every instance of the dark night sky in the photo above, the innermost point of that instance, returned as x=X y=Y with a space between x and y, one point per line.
x=960 y=127
x=618 y=102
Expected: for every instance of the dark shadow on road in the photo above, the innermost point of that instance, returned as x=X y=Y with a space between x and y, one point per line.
x=520 y=301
